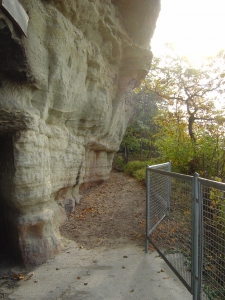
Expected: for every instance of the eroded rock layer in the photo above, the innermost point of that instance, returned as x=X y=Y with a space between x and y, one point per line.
x=65 y=102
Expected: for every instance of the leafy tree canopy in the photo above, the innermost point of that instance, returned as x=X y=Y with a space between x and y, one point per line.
x=188 y=90
x=177 y=116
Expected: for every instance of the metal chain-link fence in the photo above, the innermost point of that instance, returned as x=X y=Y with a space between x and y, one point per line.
x=159 y=195
x=212 y=235
x=185 y=222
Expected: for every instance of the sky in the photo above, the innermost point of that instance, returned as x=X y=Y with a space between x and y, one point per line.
x=195 y=27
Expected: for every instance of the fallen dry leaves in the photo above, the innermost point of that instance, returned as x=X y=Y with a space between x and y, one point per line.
x=109 y=213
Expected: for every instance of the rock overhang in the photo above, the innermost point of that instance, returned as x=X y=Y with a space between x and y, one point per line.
x=65 y=102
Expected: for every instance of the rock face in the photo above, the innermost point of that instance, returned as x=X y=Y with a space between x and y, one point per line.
x=65 y=102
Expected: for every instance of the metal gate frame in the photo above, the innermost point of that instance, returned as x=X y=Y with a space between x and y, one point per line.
x=193 y=288
x=206 y=234
x=196 y=185
x=167 y=167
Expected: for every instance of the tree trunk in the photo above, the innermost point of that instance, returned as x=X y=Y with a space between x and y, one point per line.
x=191 y=121
x=126 y=153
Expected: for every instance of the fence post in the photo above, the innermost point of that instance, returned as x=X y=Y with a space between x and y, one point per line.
x=201 y=238
x=147 y=208
x=195 y=235
x=169 y=183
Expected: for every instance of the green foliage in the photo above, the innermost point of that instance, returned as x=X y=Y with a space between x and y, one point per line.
x=138 y=140
x=176 y=119
x=137 y=168
x=211 y=145
x=140 y=175
x=218 y=206
x=205 y=156
x=133 y=166
x=119 y=163
x=214 y=294
x=174 y=142
x=214 y=258
x=187 y=89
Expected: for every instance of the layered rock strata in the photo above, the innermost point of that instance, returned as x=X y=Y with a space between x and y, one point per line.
x=65 y=102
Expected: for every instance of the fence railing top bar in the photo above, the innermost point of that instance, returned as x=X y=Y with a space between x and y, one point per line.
x=212 y=183
x=159 y=165
x=172 y=174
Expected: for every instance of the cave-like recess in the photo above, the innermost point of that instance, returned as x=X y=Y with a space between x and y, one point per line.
x=9 y=243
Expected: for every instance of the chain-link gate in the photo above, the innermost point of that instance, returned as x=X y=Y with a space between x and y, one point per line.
x=171 y=234
x=212 y=240
x=185 y=222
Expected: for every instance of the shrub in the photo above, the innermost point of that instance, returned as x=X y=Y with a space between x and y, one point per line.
x=119 y=163
x=137 y=168
x=140 y=175
x=133 y=166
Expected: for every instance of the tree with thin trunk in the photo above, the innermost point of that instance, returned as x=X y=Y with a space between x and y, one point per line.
x=192 y=90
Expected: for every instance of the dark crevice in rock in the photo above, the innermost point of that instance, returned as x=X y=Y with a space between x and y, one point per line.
x=78 y=175
x=13 y=62
x=9 y=240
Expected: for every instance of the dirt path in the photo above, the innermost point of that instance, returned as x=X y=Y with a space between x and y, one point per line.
x=108 y=214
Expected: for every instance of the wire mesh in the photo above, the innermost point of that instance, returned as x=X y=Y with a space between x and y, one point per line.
x=159 y=196
x=180 y=228
x=173 y=207
x=213 y=231
x=186 y=225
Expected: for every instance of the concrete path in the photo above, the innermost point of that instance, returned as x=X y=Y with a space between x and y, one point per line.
x=109 y=274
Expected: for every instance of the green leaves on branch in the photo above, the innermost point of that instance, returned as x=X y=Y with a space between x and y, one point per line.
x=178 y=116
x=188 y=89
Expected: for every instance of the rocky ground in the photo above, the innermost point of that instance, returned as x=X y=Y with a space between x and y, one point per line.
x=112 y=212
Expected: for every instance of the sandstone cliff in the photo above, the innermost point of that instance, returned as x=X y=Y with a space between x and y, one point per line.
x=65 y=102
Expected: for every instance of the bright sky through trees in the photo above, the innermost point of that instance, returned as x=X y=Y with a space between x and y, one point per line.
x=194 y=27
